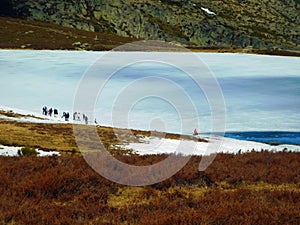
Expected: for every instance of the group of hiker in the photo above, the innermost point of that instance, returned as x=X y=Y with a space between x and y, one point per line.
x=77 y=117
x=66 y=115
x=49 y=112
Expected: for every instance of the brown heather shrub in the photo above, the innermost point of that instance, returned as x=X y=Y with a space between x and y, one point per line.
x=262 y=188
x=269 y=167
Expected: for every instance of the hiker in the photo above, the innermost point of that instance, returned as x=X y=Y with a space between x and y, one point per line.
x=86 y=119
x=195 y=132
x=75 y=116
x=55 y=112
x=45 y=110
x=66 y=115
x=50 y=112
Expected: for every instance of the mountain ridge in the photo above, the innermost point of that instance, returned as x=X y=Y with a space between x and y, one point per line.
x=264 y=25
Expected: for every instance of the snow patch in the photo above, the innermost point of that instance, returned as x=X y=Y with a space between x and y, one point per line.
x=208 y=11
x=215 y=144
x=13 y=151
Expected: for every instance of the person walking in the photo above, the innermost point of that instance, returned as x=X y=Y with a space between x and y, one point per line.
x=45 y=110
x=86 y=119
x=50 y=112
x=74 y=116
x=66 y=115
x=55 y=112
x=195 y=132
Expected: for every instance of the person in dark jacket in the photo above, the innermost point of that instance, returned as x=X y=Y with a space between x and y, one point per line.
x=55 y=112
x=66 y=115
x=45 y=110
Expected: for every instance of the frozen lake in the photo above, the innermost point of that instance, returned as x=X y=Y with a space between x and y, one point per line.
x=261 y=93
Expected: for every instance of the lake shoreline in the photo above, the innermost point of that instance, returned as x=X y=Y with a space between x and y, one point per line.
x=286 y=53
x=121 y=140
x=37 y=35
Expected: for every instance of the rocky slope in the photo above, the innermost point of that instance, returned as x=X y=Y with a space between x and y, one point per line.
x=262 y=24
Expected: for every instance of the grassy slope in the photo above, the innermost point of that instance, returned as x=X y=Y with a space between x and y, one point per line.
x=60 y=137
x=23 y=34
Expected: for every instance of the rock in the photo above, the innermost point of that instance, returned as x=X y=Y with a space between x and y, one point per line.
x=76 y=44
x=80 y=45
x=25 y=46
x=237 y=23
x=29 y=32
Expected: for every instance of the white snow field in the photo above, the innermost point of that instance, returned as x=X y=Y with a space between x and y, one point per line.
x=215 y=144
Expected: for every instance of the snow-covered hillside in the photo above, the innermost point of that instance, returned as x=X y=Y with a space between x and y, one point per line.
x=215 y=144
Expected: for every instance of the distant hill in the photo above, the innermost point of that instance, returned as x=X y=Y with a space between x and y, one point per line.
x=258 y=24
x=24 y=34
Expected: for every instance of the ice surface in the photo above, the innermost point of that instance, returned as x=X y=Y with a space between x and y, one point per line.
x=262 y=93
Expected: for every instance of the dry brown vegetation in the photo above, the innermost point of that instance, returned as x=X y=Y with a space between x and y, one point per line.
x=251 y=188
x=65 y=190
x=60 y=137
x=44 y=136
x=19 y=33
x=246 y=50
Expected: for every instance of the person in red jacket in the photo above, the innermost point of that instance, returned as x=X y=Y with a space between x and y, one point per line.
x=195 y=132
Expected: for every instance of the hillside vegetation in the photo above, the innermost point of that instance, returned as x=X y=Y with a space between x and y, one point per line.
x=24 y=34
x=250 y=188
x=264 y=24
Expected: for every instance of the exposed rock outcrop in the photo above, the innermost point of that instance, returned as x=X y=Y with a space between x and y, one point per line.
x=263 y=24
